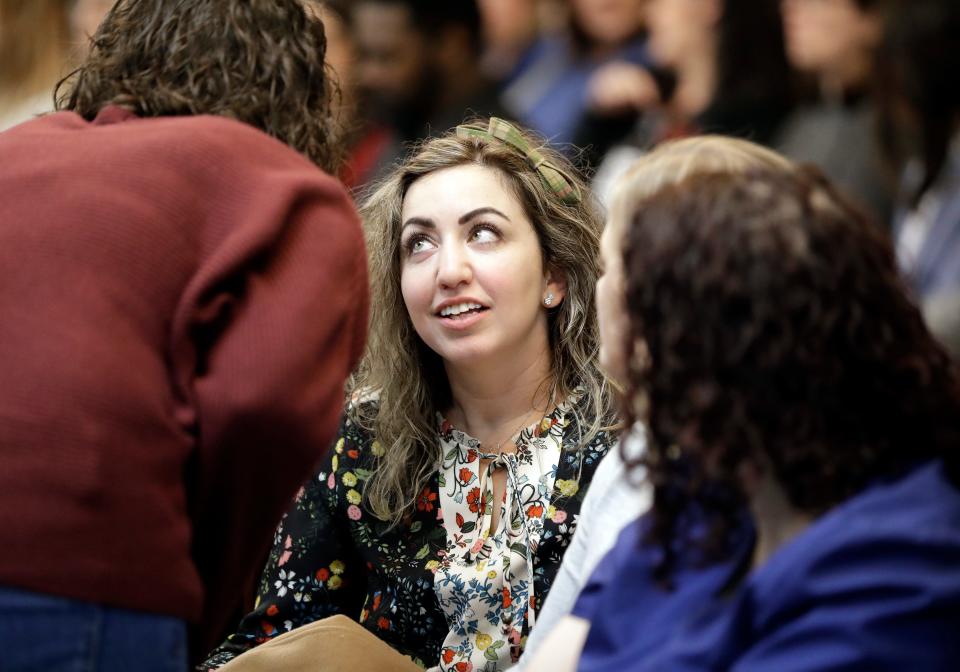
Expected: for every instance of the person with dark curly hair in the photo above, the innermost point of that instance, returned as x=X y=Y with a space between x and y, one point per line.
x=184 y=293
x=803 y=432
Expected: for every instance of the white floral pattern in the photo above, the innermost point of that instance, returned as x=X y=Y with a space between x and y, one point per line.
x=485 y=581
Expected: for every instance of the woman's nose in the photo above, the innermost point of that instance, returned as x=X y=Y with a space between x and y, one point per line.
x=454 y=267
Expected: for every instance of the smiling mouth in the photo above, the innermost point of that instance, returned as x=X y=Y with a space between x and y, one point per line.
x=461 y=311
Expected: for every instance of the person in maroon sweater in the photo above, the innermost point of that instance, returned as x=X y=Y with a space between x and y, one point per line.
x=182 y=297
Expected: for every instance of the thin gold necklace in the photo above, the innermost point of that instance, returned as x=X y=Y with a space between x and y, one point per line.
x=516 y=432
x=524 y=423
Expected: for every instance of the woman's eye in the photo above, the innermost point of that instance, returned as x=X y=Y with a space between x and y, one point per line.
x=485 y=234
x=418 y=244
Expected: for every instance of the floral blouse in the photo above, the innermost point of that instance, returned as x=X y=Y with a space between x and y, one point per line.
x=443 y=587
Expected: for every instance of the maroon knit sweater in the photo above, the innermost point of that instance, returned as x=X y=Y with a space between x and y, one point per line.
x=181 y=299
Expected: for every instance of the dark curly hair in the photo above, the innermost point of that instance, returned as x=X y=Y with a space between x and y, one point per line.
x=771 y=329
x=257 y=61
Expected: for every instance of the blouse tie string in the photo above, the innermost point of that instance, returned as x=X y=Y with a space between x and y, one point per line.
x=521 y=596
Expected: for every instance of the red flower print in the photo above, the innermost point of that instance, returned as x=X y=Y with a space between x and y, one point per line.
x=376 y=601
x=507 y=600
x=354 y=453
x=272 y=610
x=447 y=656
x=474 y=500
x=463 y=667
x=267 y=628
x=471 y=455
x=383 y=623
x=323 y=574
x=426 y=499
x=445 y=427
x=535 y=511
x=465 y=475
x=459 y=520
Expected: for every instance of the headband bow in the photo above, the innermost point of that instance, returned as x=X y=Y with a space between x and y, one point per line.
x=556 y=180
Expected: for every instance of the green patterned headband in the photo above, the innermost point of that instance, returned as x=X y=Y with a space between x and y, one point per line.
x=556 y=180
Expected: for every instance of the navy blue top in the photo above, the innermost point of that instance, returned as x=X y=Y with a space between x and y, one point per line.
x=549 y=93
x=872 y=585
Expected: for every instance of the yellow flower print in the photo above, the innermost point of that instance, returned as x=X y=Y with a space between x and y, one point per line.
x=551 y=510
x=376 y=448
x=335 y=462
x=337 y=567
x=349 y=480
x=492 y=574
x=339 y=447
x=334 y=582
x=432 y=565
x=353 y=497
x=568 y=488
x=483 y=641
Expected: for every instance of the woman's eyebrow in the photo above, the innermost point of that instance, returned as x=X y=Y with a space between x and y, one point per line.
x=419 y=221
x=481 y=211
x=429 y=223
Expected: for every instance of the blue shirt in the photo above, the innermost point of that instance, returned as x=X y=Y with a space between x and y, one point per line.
x=872 y=585
x=550 y=93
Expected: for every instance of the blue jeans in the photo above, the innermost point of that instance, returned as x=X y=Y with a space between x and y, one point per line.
x=52 y=634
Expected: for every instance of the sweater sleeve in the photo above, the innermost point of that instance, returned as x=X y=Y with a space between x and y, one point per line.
x=313 y=570
x=268 y=331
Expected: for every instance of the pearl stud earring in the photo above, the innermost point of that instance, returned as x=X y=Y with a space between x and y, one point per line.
x=548 y=300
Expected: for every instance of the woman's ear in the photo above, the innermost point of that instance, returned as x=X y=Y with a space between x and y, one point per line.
x=555 y=288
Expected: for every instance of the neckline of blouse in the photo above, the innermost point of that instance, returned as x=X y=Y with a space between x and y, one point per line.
x=548 y=419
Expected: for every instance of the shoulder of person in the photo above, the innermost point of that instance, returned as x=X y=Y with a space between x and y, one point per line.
x=355 y=443
x=903 y=532
x=234 y=148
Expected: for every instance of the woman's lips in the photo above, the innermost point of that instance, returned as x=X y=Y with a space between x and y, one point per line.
x=463 y=320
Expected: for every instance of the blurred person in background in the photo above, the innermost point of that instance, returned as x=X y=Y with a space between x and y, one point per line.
x=456 y=50
x=834 y=42
x=35 y=43
x=184 y=293
x=418 y=69
x=85 y=16
x=919 y=60
x=550 y=92
x=802 y=444
x=510 y=29
x=365 y=141
x=726 y=73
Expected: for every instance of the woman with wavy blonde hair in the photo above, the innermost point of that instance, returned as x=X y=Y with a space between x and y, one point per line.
x=477 y=417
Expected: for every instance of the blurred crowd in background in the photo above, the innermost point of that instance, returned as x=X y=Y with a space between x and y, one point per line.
x=838 y=83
